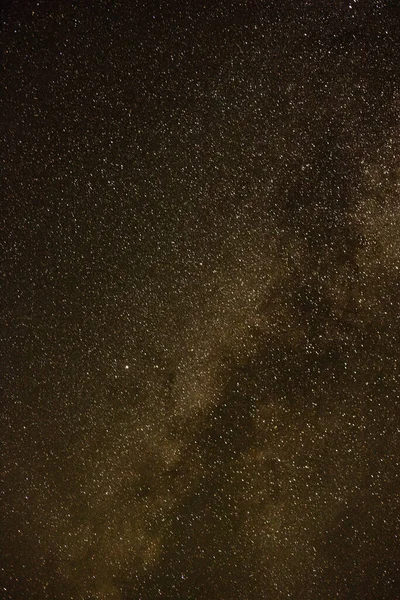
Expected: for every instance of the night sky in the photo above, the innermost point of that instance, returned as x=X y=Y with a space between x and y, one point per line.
x=200 y=307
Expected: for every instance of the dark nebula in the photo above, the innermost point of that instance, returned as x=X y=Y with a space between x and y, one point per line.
x=201 y=300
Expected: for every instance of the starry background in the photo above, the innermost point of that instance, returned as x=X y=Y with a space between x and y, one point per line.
x=201 y=294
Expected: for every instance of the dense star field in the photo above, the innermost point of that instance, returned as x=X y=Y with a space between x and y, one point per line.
x=201 y=300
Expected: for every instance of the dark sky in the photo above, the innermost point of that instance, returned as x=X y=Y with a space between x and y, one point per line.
x=201 y=300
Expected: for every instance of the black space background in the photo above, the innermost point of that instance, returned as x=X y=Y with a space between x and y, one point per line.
x=200 y=300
